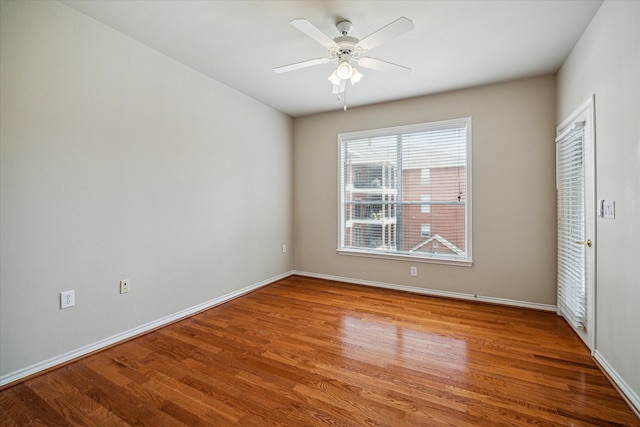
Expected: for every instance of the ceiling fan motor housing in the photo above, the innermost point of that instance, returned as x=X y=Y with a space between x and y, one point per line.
x=346 y=45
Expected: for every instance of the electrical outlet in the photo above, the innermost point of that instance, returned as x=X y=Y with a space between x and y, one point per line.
x=125 y=286
x=67 y=299
x=284 y=249
x=414 y=271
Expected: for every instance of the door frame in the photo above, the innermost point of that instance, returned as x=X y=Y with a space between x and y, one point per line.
x=586 y=113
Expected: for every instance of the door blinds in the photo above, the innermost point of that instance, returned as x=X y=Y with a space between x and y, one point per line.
x=571 y=226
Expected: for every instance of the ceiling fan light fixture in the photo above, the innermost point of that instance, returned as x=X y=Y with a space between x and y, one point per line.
x=344 y=70
x=355 y=76
x=333 y=78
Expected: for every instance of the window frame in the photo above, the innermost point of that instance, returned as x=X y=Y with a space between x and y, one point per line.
x=421 y=127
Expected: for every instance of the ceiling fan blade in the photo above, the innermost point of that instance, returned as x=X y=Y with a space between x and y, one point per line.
x=312 y=31
x=384 y=66
x=303 y=64
x=394 y=29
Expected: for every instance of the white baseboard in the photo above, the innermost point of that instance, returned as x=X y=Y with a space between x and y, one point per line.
x=632 y=398
x=123 y=336
x=433 y=292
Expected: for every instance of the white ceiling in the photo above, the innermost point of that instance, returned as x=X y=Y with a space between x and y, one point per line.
x=455 y=44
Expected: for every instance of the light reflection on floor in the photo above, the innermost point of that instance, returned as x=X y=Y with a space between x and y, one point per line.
x=365 y=335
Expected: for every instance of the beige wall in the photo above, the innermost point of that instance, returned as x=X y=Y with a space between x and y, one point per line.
x=606 y=62
x=513 y=191
x=117 y=162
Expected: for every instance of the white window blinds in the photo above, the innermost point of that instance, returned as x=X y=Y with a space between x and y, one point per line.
x=571 y=226
x=393 y=181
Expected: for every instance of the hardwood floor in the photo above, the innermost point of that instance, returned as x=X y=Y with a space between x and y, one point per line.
x=306 y=352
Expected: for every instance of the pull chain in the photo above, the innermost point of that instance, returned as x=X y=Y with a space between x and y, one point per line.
x=345 y=97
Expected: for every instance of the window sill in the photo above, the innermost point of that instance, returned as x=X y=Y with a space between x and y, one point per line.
x=399 y=257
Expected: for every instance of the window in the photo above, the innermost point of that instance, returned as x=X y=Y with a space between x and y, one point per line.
x=405 y=192
x=425 y=207
x=425 y=176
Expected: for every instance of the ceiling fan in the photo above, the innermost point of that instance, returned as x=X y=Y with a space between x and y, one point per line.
x=348 y=50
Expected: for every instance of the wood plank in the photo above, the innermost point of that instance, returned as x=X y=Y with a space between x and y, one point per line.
x=314 y=352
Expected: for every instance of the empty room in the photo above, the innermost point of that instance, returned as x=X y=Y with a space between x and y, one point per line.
x=301 y=213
